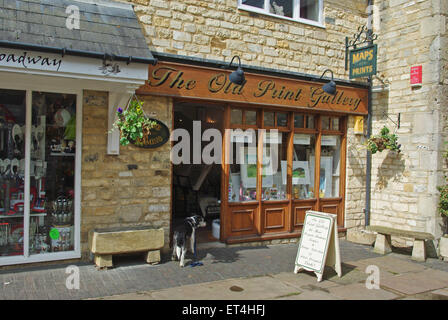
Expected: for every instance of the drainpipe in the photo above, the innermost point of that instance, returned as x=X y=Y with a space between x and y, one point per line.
x=369 y=129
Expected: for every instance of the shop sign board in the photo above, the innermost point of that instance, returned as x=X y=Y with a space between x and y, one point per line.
x=319 y=244
x=42 y=63
x=158 y=136
x=363 y=62
x=187 y=81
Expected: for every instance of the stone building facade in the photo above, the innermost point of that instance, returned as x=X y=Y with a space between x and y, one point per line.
x=403 y=185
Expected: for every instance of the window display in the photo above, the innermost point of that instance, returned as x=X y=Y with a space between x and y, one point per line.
x=274 y=167
x=53 y=149
x=329 y=166
x=51 y=172
x=12 y=167
x=243 y=168
x=303 y=166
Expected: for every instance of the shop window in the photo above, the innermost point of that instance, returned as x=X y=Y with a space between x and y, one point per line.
x=269 y=119
x=299 y=121
x=52 y=141
x=236 y=116
x=274 y=166
x=251 y=118
x=300 y=10
x=12 y=169
x=310 y=122
x=53 y=146
x=330 y=123
x=303 y=166
x=282 y=119
x=330 y=166
x=243 y=168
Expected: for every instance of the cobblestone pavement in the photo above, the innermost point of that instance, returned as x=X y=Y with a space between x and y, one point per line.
x=219 y=263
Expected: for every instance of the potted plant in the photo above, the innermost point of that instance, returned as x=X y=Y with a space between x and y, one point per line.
x=384 y=140
x=133 y=123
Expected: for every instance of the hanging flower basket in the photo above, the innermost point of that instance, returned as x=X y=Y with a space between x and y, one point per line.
x=133 y=124
x=384 y=140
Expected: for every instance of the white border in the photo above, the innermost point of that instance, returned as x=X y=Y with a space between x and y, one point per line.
x=296 y=14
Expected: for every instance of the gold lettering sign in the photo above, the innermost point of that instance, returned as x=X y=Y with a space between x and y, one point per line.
x=178 y=80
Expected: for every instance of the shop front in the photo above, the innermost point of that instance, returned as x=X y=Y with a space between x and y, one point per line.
x=43 y=89
x=283 y=139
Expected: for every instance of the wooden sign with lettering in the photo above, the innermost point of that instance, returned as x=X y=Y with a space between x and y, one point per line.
x=319 y=244
x=178 y=80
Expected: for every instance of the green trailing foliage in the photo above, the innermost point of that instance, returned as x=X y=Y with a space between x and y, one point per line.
x=133 y=124
x=443 y=199
x=384 y=140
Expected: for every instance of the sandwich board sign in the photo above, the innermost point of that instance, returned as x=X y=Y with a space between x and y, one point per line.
x=319 y=244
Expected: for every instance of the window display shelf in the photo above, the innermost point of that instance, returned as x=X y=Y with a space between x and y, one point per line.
x=5 y=216
x=62 y=154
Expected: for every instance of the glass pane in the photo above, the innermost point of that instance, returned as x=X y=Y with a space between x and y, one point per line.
x=236 y=116
x=303 y=166
x=309 y=9
x=330 y=166
x=282 y=7
x=274 y=166
x=251 y=118
x=52 y=181
x=299 y=121
x=254 y=3
x=243 y=166
x=335 y=124
x=310 y=122
x=282 y=119
x=325 y=123
x=12 y=167
x=269 y=119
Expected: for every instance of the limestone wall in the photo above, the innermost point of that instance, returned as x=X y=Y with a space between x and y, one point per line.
x=404 y=185
x=113 y=195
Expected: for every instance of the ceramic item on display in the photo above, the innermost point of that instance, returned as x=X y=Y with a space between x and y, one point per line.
x=62 y=117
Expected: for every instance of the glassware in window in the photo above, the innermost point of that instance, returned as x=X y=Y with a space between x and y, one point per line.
x=335 y=124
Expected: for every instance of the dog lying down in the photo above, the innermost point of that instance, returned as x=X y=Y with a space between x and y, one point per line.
x=186 y=233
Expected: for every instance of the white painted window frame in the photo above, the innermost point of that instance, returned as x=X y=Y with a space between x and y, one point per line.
x=51 y=256
x=296 y=12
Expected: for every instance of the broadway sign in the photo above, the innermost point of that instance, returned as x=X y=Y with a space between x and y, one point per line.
x=178 y=80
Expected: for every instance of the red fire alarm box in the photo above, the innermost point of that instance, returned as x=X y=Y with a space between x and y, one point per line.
x=416 y=76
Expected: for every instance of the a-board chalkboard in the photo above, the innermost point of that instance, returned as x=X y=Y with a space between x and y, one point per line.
x=319 y=244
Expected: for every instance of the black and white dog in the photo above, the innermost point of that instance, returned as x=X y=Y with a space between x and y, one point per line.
x=184 y=233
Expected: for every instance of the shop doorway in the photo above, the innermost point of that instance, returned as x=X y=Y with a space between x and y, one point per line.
x=196 y=184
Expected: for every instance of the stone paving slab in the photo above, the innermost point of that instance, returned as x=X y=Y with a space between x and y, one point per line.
x=310 y=295
x=233 y=289
x=303 y=280
x=389 y=264
x=358 y=291
x=418 y=282
x=441 y=294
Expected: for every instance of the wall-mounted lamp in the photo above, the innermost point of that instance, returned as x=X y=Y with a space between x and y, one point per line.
x=237 y=77
x=329 y=87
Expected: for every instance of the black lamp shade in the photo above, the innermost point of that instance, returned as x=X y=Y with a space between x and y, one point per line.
x=330 y=87
x=237 y=77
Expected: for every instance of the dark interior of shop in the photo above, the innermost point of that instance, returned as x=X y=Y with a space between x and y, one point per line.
x=197 y=186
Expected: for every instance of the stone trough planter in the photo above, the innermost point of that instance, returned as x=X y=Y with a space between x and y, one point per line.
x=443 y=247
x=104 y=243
